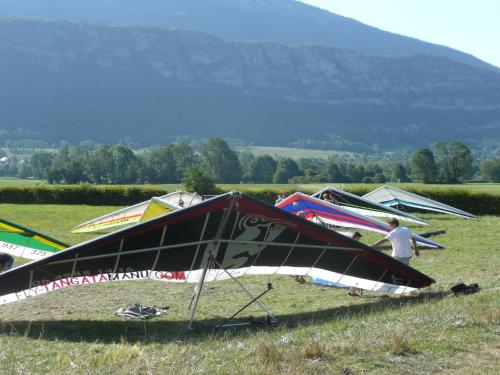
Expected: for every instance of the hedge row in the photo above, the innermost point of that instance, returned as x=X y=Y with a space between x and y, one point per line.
x=475 y=203
x=78 y=194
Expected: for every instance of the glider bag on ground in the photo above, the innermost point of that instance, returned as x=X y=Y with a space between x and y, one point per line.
x=324 y=212
x=367 y=207
x=394 y=197
x=140 y=212
x=26 y=243
x=233 y=231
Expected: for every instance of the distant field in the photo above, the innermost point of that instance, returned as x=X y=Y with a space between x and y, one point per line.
x=12 y=181
x=294 y=153
x=321 y=330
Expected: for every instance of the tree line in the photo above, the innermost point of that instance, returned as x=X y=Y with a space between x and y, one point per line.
x=216 y=160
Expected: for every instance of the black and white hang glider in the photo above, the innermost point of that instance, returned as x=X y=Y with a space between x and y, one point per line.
x=229 y=235
x=367 y=207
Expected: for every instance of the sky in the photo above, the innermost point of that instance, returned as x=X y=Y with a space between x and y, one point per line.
x=471 y=26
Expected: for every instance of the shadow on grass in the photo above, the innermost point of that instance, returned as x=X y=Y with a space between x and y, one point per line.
x=164 y=331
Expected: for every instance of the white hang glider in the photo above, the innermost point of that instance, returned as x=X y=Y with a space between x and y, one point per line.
x=140 y=212
x=394 y=197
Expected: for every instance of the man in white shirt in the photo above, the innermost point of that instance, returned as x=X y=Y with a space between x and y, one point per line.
x=400 y=238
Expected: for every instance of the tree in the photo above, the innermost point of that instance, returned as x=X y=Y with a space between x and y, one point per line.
x=100 y=166
x=126 y=166
x=454 y=161
x=333 y=172
x=262 y=169
x=40 y=163
x=184 y=159
x=286 y=169
x=197 y=180
x=423 y=166
x=355 y=173
x=69 y=166
x=399 y=173
x=246 y=159
x=379 y=178
x=490 y=170
x=161 y=166
x=313 y=169
x=220 y=161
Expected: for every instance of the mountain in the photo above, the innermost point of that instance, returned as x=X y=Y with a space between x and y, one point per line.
x=284 y=21
x=61 y=80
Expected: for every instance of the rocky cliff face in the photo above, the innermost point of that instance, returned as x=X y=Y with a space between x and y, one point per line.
x=302 y=73
x=55 y=68
x=283 y=21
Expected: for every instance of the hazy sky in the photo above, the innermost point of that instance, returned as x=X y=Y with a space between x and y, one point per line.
x=471 y=26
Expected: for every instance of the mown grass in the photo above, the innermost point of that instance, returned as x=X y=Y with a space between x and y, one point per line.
x=321 y=330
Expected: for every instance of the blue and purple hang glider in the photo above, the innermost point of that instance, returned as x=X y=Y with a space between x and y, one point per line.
x=323 y=212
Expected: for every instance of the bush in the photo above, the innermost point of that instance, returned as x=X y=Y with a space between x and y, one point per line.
x=78 y=194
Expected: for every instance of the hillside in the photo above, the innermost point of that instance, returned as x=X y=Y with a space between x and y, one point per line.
x=284 y=21
x=72 y=81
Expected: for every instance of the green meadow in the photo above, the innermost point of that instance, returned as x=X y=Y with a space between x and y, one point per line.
x=295 y=153
x=321 y=330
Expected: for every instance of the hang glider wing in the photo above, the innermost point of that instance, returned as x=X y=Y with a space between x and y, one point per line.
x=155 y=208
x=135 y=213
x=367 y=207
x=391 y=196
x=323 y=212
x=26 y=243
x=232 y=232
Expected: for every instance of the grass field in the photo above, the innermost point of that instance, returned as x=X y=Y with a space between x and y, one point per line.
x=13 y=181
x=321 y=330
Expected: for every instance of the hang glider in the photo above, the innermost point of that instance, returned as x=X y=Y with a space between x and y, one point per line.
x=231 y=234
x=394 y=197
x=367 y=207
x=140 y=212
x=26 y=243
x=321 y=211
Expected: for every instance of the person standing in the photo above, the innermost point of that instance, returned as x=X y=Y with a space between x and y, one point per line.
x=6 y=262
x=356 y=236
x=400 y=239
x=326 y=196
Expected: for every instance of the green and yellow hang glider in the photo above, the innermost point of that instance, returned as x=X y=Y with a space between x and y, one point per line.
x=26 y=243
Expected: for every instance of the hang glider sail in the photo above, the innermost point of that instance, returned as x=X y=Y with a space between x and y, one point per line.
x=26 y=243
x=231 y=234
x=367 y=207
x=322 y=211
x=394 y=197
x=140 y=212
